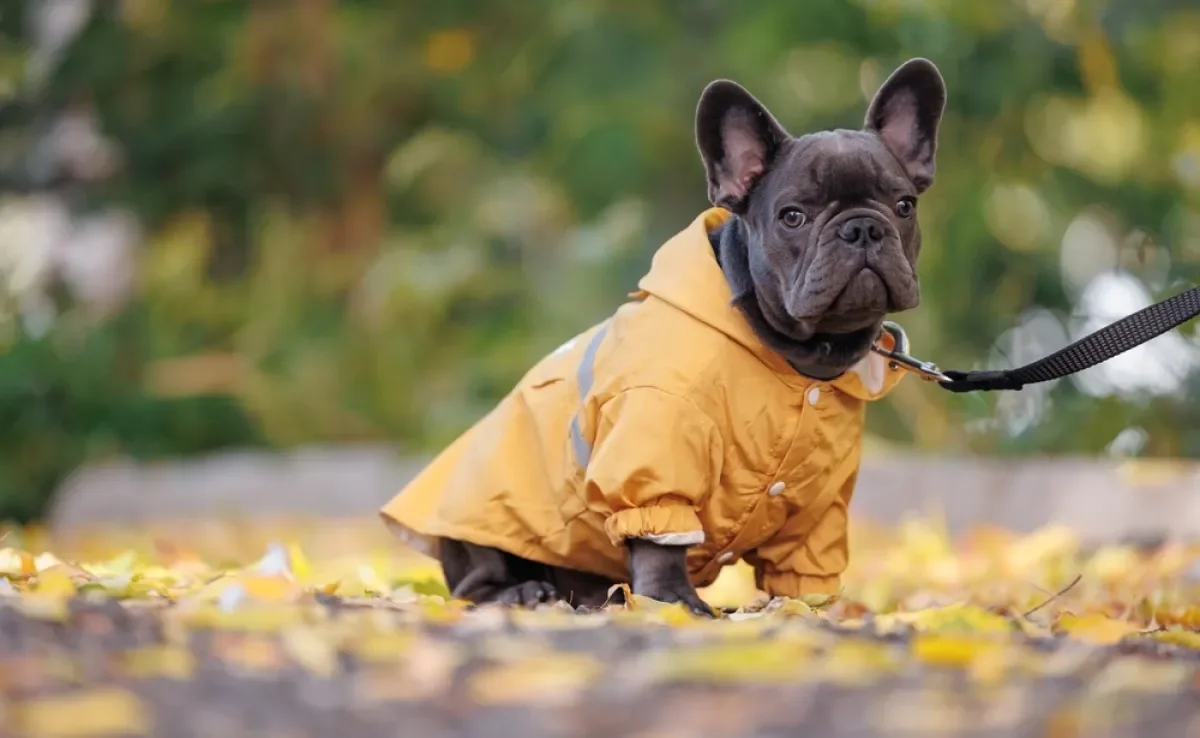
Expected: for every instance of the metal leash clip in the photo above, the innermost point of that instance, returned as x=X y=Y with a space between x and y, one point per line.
x=900 y=359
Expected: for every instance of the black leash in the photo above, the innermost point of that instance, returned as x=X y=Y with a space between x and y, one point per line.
x=1096 y=348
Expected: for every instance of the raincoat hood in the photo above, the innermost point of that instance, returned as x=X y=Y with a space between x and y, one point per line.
x=684 y=273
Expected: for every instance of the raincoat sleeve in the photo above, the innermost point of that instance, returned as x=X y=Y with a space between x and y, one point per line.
x=807 y=557
x=655 y=459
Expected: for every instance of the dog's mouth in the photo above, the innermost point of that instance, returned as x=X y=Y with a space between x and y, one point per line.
x=843 y=291
x=863 y=301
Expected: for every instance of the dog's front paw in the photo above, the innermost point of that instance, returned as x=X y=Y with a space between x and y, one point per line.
x=527 y=594
x=684 y=593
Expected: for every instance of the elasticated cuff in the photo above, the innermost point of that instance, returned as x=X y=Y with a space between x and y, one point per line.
x=666 y=525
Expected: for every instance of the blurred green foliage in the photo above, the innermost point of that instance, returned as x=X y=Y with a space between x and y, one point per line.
x=365 y=219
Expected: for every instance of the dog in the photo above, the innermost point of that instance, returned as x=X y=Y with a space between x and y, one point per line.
x=717 y=414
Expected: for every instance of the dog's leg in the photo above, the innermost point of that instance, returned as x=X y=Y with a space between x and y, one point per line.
x=660 y=572
x=482 y=574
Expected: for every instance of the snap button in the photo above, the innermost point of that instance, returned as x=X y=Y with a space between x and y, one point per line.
x=814 y=395
x=776 y=489
x=725 y=558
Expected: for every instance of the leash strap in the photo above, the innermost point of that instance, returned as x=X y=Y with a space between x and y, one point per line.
x=1096 y=348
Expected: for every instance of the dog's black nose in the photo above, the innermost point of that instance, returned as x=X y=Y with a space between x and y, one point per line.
x=862 y=232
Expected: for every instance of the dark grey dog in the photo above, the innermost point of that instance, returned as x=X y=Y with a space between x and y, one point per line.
x=822 y=247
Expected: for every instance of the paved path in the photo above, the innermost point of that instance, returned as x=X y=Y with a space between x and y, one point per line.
x=107 y=671
x=1101 y=499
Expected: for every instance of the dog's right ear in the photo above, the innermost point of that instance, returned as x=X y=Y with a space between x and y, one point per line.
x=738 y=138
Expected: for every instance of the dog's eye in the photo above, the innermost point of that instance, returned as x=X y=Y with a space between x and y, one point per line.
x=792 y=217
x=906 y=207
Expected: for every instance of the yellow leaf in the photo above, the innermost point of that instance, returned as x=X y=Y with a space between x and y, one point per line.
x=125 y=563
x=17 y=563
x=733 y=587
x=435 y=610
x=258 y=587
x=169 y=662
x=793 y=609
x=271 y=588
x=103 y=711
x=55 y=582
x=42 y=607
x=382 y=647
x=553 y=679
x=312 y=651
x=768 y=662
x=1112 y=564
x=46 y=561
x=1183 y=638
x=300 y=564
x=817 y=600
x=1095 y=628
x=119 y=587
x=985 y=658
x=258 y=619
x=371 y=581
x=960 y=618
x=853 y=661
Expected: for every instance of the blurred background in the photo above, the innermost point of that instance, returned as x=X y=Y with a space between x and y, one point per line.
x=239 y=226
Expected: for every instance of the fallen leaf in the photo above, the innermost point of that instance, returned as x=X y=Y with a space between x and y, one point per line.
x=1094 y=628
x=857 y=662
x=16 y=563
x=1182 y=638
x=738 y=662
x=960 y=618
x=167 y=662
x=557 y=679
x=300 y=565
x=96 y=712
x=985 y=658
x=790 y=608
x=312 y=650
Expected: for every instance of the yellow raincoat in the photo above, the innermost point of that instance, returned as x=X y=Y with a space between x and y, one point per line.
x=670 y=421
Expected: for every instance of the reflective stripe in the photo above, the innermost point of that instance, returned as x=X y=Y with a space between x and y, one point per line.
x=585 y=377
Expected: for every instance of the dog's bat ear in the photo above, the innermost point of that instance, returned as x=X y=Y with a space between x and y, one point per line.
x=906 y=113
x=738 y=138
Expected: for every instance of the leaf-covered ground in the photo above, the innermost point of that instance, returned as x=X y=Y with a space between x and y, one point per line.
x=210 y=628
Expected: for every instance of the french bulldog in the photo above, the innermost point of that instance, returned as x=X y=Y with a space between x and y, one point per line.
x=822 y=245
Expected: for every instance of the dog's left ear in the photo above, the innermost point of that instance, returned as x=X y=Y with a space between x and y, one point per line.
x=738 y=139
x=906 y=112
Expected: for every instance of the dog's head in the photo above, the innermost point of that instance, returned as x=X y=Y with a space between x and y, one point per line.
x=828 y=220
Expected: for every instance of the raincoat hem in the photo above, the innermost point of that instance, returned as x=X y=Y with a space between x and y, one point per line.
x=793 y=585
x=426 y=543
